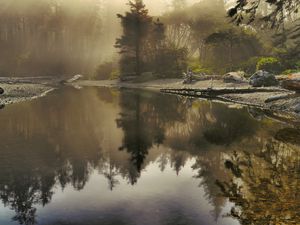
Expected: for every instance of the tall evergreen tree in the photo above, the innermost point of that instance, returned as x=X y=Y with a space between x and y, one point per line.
x=136 y=25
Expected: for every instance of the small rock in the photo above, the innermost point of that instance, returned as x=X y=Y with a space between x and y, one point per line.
x=263 y=79
x=292 y=82
x=234 y=77
x=1 y=91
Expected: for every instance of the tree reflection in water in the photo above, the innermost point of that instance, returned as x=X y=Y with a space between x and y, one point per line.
x=266 y=189
x=255 y=163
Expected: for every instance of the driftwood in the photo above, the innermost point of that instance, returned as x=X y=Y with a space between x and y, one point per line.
x=212 y=93
x=281 y=97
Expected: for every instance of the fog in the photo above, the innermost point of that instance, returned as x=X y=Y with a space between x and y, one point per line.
x=61 y=37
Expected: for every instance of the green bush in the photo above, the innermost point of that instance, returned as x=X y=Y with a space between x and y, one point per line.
x=107 y=70
x=197 y=68
x=270 y=64
x=115 y=74
x=249 y=66
x=170 y=62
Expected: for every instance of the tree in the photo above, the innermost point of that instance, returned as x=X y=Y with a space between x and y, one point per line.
x=136 y=25
x=234 y=45
x=280 y=15
x=280 y=10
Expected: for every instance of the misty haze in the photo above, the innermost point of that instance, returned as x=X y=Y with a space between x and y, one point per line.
x=149 y=112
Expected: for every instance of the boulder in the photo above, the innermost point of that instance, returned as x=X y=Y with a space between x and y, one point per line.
x=292 y=82
x=234 y=77
x=1 y=91
x=297 y=108
x=263 y=79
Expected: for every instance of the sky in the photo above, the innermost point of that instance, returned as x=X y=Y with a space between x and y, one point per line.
x=156 y=7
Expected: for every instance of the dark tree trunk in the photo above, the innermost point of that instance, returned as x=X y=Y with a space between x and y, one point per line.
x=137 y=58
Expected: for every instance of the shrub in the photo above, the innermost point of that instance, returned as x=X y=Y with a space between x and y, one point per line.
x=106 y=70
x=115 y=74
x=249 y=66
x=270 y=64
x=170 y=62
x=197 y=68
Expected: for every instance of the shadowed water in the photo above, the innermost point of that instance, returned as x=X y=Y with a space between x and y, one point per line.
x=102 y=156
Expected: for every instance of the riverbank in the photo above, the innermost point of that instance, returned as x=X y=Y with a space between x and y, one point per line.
x=274 y=101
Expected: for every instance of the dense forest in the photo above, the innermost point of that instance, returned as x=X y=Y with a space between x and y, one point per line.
x=49 y=37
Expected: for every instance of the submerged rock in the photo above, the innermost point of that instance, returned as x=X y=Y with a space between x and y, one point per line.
x=263 y=79
x=292 y=82
x=234 y=77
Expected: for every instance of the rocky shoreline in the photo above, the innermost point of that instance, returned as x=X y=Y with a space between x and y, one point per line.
x=19 y=89
x=276 y=102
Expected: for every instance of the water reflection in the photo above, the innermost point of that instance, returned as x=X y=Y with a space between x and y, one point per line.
x=58 y=142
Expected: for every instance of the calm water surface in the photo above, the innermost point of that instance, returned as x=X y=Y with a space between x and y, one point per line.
x=105 y=157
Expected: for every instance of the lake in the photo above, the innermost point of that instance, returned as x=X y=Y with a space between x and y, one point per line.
x=127 y=157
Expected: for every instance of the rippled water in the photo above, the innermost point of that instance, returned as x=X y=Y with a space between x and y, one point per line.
x=108 y=157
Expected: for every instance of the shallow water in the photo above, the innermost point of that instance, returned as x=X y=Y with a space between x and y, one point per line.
x=103 y=156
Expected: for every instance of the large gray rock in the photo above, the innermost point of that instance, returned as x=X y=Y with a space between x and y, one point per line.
x=292 y=82
x=235 y=77
x=263 y=79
